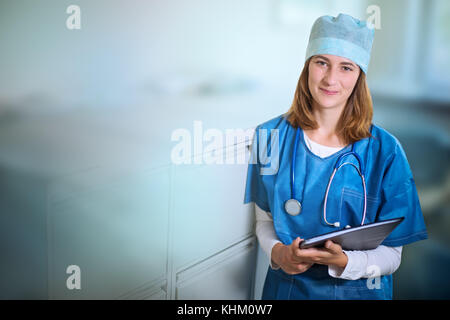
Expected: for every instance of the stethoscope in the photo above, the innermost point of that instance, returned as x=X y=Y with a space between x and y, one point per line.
x=294 y=207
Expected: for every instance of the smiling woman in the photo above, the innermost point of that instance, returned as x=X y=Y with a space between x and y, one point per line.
x=330 y=120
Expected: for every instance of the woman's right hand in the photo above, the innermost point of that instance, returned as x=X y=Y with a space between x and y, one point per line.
x=286 y=257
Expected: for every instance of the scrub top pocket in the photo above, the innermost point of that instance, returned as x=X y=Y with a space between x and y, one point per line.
x=352 y=206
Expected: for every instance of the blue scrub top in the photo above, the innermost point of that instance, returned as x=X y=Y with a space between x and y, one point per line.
x=391 y=193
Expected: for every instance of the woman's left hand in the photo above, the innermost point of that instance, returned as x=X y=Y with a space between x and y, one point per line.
x=331 y=254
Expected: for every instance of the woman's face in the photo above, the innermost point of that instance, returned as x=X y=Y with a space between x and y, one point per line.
x=331 y=80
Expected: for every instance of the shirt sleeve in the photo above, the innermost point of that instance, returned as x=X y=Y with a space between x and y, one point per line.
x=368 y=263
x=265 y=232
x=254 y=189
x=400 y=199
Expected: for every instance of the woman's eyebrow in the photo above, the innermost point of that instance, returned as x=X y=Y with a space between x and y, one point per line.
x=342 y=63
x=348 y=64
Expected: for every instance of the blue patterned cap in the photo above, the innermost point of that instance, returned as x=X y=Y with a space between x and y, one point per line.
x=342 y=36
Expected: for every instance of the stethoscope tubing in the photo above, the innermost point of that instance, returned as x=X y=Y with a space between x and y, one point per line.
x=337 y=166
x=336 y=224
x=294 y=157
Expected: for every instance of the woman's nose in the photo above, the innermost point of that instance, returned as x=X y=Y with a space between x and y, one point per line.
x=330 y=77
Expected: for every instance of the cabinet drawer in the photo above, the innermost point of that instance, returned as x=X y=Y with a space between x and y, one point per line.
x=226 y=275
x=208 y=210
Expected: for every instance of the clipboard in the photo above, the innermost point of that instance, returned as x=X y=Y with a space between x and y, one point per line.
x=365 y=237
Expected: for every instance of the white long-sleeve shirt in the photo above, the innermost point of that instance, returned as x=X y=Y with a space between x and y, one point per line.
x=361 y=263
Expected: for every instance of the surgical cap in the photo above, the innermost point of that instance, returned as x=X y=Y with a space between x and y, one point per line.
x=342 y=36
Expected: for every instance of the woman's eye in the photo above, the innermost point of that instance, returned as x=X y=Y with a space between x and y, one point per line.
x=348 y=69
x=321 y=63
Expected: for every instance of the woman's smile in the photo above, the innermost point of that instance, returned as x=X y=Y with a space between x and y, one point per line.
x=329 y=92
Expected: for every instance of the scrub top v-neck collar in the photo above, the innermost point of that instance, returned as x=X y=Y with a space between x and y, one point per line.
x=309 y=158
x=311 y=154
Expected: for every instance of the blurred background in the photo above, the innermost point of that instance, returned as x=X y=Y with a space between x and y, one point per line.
x=86 y=118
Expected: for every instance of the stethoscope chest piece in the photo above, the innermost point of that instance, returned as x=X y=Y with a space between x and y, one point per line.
x=293 y=207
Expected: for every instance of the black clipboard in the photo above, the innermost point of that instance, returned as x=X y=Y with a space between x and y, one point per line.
x=365 y=237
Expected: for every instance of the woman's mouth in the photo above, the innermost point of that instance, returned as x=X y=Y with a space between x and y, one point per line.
x=329 y=93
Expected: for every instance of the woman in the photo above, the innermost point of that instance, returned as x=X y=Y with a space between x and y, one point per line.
x=331 y=114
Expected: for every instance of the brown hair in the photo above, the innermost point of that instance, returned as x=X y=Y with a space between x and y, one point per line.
x=355 y=120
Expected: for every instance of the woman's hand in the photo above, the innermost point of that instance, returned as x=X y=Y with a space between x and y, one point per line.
x=331 y=254
x=286 y=256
